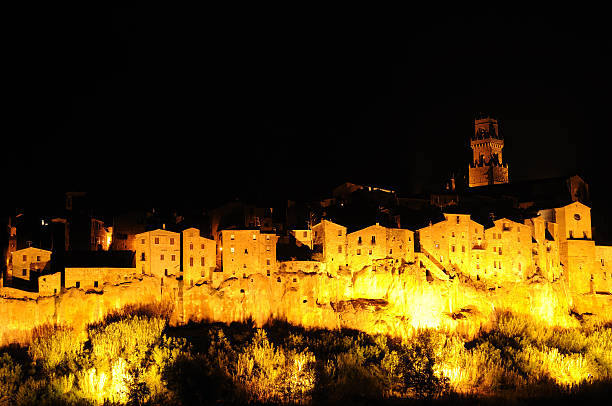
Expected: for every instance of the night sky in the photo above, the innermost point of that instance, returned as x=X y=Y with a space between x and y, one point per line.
x=209 y=104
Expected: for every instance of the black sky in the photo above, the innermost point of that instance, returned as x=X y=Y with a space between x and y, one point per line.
x=294 y=101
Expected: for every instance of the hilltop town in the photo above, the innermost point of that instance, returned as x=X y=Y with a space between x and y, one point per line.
x=365 y=256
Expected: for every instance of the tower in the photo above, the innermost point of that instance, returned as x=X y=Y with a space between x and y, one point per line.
x=487 y=167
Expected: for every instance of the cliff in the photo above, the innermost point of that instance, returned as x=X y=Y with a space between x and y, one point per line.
x=387 y=298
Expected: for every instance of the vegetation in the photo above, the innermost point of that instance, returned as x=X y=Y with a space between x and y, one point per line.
x=132 y=357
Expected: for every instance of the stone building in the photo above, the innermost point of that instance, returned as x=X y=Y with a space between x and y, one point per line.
x=378 y=242
x=158 y=253
x=329 y=240
x=27 y=263
x=457 y=241
x=244 y=252
x=509 y=251
x=92 y=269
x=487 y=167
x=199 y=257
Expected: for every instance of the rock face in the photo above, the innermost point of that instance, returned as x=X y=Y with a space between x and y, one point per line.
x=386 y=297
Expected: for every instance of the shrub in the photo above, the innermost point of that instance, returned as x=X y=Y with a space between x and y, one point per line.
x=53 y=346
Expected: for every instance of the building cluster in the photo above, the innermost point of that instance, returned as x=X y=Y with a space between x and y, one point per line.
x=555 y=244
x=447 y=233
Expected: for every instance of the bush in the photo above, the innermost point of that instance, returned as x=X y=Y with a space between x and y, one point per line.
x=53 y=346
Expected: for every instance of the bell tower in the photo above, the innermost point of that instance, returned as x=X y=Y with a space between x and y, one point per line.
x=487 y=167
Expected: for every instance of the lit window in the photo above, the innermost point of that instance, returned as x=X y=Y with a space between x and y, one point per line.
x=254 y=236
x=232 y=237
x=232 y=250
x=267 y=238
x=267 y=248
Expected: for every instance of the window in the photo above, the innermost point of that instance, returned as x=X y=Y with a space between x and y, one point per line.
x=142 y=241
x=25 y=258
x=191 y=261
x=267 y=261
x=305 y=234
x=95 y=284
x=370 y=252
x=202 y=261
x=156 y=240
x=24 y=272
x=77 y=284
x=268 y=272
x=232 y=250
x=463 y=248
x=267 y=248
x=232 y=237
x=452 y=248
x=358 y=240
x=171 y=241
x=358 y=252
x=452 y=234
x=278 y=279
x=142 y=256
x=373 y=240
x=339 y=249
x=390 y=251
x=339 y=233
x=254 y=237
x=267 y=238
x=246 y=251
x=37 y=259
x=602 y=262
x=202 y=246
x=577 y=216
x=191 y=246
x=161 y=257
x=173 y=257
x=294 y=280
x=457 y=219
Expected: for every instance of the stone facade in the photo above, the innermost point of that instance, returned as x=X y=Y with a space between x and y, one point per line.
x=96 y=278
x=27 y=261
x=378 y=242
x=244 y=252
x=199 y=257
x=158 y=253
x=329 y=240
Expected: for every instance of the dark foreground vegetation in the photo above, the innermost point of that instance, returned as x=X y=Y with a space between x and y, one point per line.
x=132 y=357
